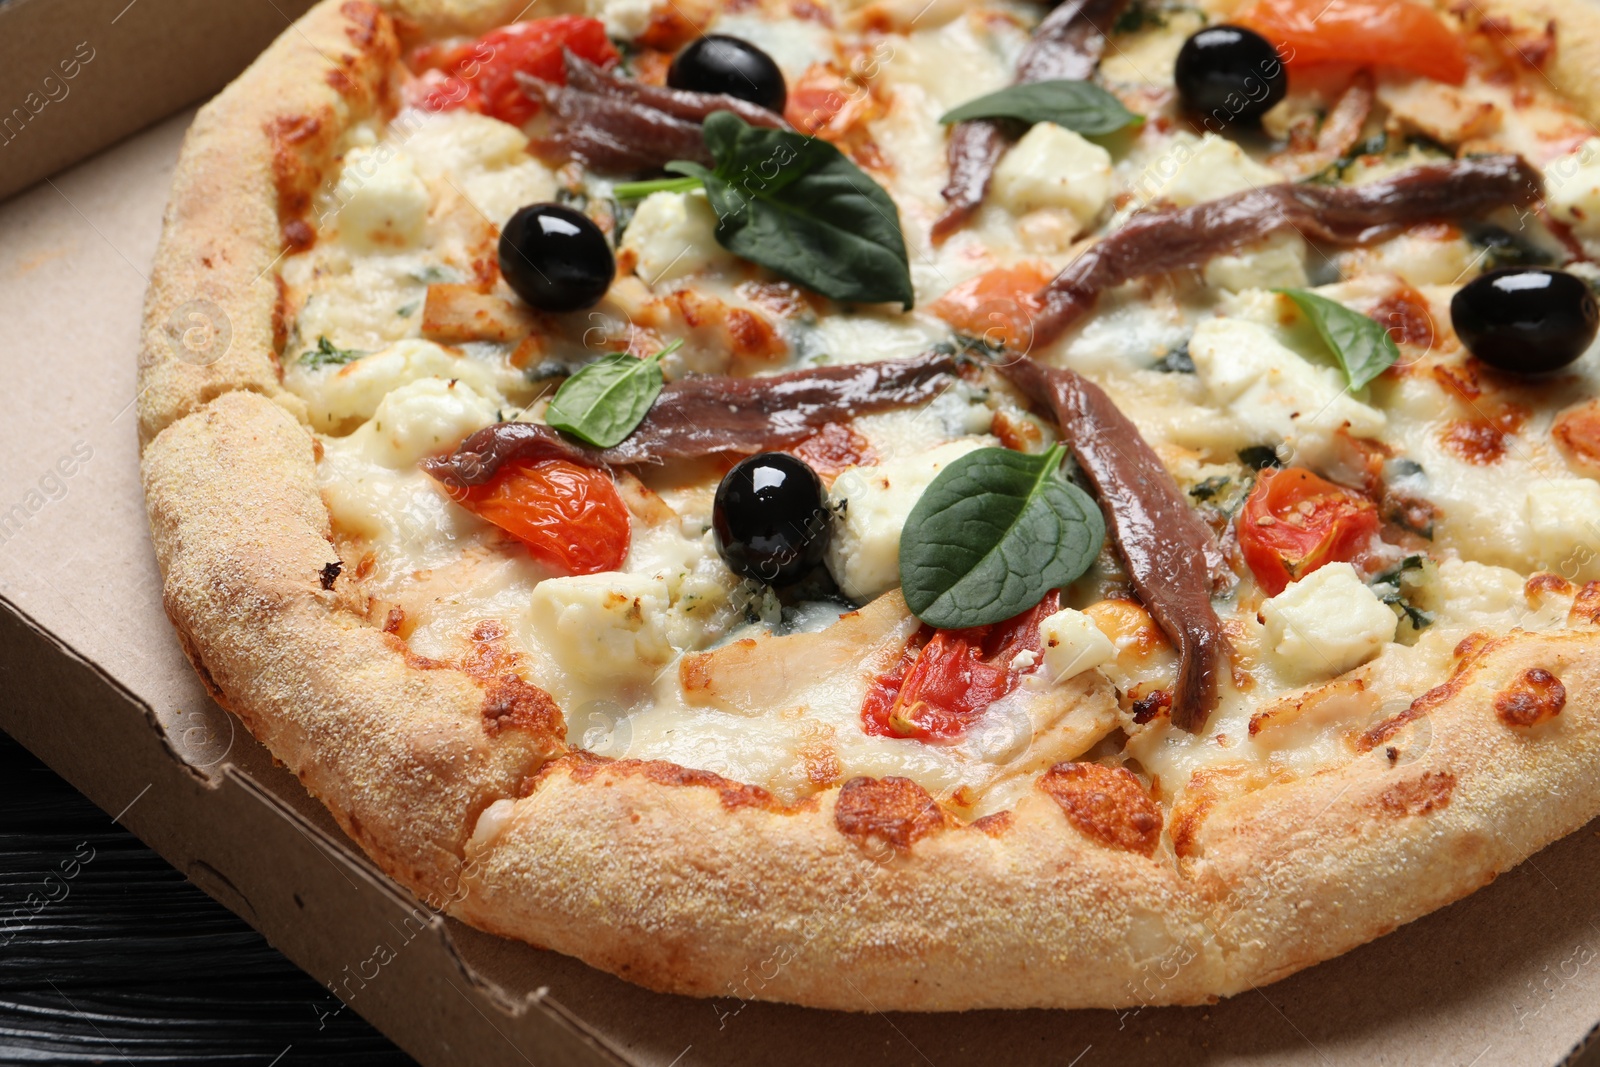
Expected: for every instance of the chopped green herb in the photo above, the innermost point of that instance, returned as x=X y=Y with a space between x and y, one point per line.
x=1259 y=457
x=1210 y=487
x=326 y=355
x=1176 y=361
x=1397 y=585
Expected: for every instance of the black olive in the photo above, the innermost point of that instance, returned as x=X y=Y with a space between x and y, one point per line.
x=771 y=518
x=556 y=258
x=1526 y=320
x=722 y=64
x=1230 y=73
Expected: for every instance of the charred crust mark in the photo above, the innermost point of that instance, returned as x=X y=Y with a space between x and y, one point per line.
x=895 y=810
x=994 y=825
x=509 y=702
x=364 y=20
x=585 y=767
x=330 y=572
x=1393 y=754
x=1427 y=793
x=1534 y=697
x=298 y=235
x=280 y=322
x=297 y=141
x=1468 y=653
x=1544 y=584
x=1586 y=607
x=1108 y=804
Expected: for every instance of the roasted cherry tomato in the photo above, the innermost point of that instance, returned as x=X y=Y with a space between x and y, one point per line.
x=570 y=516
x=1390 y=33
x=945 y=678
x=481 y=75
x=997 y=307
x=1294 y=522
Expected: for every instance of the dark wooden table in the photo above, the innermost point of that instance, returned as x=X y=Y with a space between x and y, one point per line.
x=108 y=955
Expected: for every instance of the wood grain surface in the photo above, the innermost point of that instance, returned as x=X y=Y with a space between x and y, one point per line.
x=108 y=955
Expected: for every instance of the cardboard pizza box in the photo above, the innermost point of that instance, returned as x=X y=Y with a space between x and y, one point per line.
x=92 y=680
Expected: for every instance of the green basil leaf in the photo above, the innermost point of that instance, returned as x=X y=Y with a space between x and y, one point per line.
x=326 y=355
x=1363 y=347
x=1077 y=105
x=994 y=533
x=605 y=401
x=797 y=206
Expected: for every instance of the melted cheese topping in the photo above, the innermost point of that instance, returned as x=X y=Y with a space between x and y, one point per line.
x=674 y=658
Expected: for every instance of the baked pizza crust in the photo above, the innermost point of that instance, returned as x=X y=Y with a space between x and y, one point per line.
x=868 y=896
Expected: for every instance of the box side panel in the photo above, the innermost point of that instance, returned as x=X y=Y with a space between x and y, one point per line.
x=377 y=951
x=76 y=75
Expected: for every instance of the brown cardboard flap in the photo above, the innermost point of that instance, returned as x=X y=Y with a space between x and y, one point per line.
x=76 y=75
x=1510 y=975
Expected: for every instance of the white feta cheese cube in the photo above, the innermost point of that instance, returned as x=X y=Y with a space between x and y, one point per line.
x=1193 y=172
x=1275 y=394
x=1564 y=526
x=354 y=390
x=1465 y=593
x=1572 y=189
x=1053 y=167
x=423 y=418
x=1277 y=263
x=864 y=553
x=673 y=235
x=482 y=159
x=609 y=627
x=383 y=205
x=1073 y=644
x=1326 y=623
x=625 y=19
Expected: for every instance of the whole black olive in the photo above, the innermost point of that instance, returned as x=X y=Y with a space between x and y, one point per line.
x=721 y=64
x=771 y=518
x=1230 y=73
x=556 y=258
x=1526 y=320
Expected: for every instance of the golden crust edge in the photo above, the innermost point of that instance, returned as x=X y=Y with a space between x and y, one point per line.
x=302 y=674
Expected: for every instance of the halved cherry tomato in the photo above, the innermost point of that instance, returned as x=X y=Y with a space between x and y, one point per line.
x=945 y=678
x=1295 y=522
x=1390 y=33
x=570 y=516
x=481 y=75
x=997 y=307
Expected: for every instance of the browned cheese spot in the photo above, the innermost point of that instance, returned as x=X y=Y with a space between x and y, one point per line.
x=1534 y=697
x=895 y=810
x=1108 y=804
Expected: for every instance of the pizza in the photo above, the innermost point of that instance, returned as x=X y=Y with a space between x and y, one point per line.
x=901 y=504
